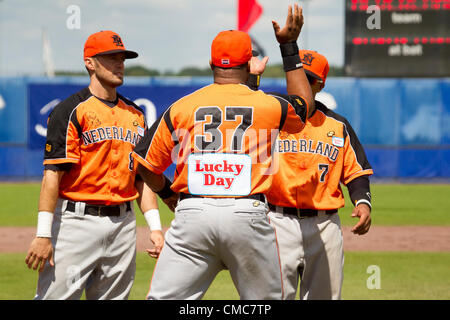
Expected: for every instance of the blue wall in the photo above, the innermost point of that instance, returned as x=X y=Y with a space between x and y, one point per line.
x=404 y=124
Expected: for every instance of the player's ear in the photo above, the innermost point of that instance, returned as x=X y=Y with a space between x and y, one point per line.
x=211 y=65
x=89 y=63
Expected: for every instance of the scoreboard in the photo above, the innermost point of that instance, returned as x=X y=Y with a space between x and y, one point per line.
x=397 y=38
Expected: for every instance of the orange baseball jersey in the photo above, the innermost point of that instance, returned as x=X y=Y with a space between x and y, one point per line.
x=97 y=140
x=223 y=136
x=313 y=163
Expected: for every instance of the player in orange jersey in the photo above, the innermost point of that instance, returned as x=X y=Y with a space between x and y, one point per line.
x=220 y=138
x=306 y=194
x=86 y=234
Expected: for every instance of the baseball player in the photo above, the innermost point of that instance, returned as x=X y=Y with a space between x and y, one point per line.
x=220 y=138
x=86 y=233
x=306 y=194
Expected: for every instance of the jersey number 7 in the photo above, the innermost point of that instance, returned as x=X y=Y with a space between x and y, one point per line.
x=324 y=169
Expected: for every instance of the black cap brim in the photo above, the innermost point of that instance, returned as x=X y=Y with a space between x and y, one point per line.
x=312 y=74
x=128 y=53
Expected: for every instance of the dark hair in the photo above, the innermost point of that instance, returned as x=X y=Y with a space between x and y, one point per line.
x=241 y=66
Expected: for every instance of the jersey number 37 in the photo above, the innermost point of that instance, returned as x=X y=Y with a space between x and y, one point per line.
x=212 y=117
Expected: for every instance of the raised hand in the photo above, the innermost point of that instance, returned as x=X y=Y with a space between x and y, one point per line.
x=294 y=24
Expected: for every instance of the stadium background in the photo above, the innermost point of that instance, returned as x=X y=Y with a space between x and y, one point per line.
x=402 y=121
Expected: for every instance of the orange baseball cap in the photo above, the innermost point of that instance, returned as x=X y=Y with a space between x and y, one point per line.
x=106 y=42
x=315 y=64
x=231 y=48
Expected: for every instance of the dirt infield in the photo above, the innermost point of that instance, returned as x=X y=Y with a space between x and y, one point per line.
x=379 y=238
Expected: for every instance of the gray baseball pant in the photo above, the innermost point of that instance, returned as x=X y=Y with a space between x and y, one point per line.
x=94 y=253
x=311 y=250
x=212 y=234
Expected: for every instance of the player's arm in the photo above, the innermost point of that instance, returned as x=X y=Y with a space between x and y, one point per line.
x=297 y=83
x=359 y=191
x=41 y=249
x=61 y=151
x=154 y=155
x=148 y=204
x=355 y=176
x=293 y=108
x=160 y=185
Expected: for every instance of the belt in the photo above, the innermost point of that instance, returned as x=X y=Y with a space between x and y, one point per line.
x=94 y=210
x=257 y=196
x=300 y=213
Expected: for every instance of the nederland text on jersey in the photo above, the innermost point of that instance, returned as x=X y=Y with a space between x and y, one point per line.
x=110 y=133
x=307 y=146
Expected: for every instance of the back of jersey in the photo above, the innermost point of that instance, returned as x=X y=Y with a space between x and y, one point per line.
x=224 y=135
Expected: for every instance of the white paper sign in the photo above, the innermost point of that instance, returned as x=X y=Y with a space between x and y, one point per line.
x=219 y=174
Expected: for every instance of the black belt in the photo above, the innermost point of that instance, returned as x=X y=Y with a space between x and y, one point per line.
x=257 y=196
x=301 y=213
x=94 y=210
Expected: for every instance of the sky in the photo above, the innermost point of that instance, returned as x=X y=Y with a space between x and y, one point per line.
x=168 y=35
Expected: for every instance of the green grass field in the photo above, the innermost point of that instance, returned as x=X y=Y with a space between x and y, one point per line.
x=404 y=275
x=394 y=204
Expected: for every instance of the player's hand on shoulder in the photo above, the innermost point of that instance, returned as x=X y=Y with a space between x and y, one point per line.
x=41 y=251
x=362 y=211
x=294 y=24
x=157 y=238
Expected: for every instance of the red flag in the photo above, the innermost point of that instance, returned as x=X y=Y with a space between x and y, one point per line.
x=248 y=12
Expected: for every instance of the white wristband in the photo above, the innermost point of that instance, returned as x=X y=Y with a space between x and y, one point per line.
x=44 y=227
x=153 y=220
x=364 y=201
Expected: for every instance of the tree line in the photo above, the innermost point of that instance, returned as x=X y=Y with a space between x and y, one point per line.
x=272 y=71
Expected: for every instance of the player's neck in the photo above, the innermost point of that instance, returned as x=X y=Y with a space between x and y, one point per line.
x=230 y=76
x=102 y=91
x=228 y=81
